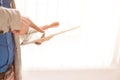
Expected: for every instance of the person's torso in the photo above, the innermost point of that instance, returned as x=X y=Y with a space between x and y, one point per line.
x=6 y=44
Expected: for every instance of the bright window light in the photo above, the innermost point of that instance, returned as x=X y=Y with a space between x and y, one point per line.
x=92 y=45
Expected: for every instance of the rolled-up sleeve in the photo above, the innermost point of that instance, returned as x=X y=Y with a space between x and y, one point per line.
x=10 y=19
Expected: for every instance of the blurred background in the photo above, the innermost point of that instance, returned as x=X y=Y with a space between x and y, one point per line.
x=94 y=45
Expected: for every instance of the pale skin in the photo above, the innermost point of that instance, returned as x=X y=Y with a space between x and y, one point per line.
x=26 y=23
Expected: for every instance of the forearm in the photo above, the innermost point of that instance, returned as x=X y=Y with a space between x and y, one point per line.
x=34 y=26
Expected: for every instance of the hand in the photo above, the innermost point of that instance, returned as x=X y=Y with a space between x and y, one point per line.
x=24 y=27
x=34 y=26
x=43 y=39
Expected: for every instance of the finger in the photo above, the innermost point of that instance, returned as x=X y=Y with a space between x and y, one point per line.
x=25 y=20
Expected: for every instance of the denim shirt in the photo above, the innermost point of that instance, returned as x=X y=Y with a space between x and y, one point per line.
x=5 y=3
